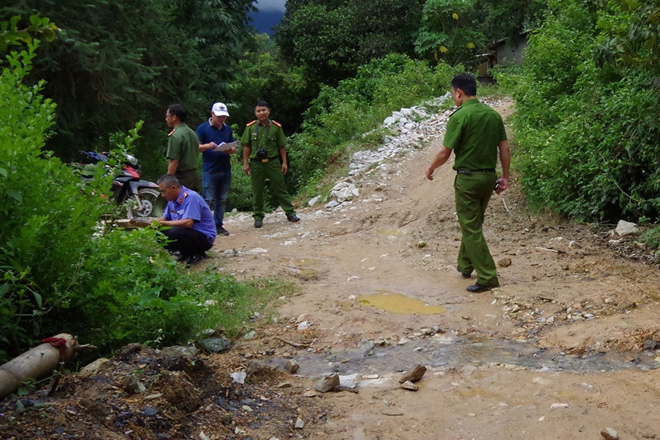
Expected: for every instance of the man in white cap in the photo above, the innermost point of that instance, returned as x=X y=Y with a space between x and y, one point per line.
x=216 y=165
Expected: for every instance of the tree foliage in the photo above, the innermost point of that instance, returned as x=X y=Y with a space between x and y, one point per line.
x=445 y=32
x=62 y=270
x=588 y=129
x=331 y=39
x=458 y=30
x=11 y=34
x=117 y=62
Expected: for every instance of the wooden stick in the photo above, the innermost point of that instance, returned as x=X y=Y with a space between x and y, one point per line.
x=294 y=344
x=506 y=207
x=548 y=250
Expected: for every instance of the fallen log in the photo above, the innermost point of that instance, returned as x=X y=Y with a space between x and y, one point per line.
x=38 y=362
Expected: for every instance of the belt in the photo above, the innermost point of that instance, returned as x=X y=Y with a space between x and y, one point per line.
x=254 y=159
x=488 y=170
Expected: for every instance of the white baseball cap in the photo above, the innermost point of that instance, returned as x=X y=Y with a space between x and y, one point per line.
x=219 y=109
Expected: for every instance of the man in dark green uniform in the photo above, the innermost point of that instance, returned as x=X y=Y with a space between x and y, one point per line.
x=182 y=148
x=264 y=157
x=475 y=132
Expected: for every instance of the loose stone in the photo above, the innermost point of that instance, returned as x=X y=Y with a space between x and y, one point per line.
x=407 y=385
x=328 y=383
x=609 y=434
x=413 y=375
x=291 y=366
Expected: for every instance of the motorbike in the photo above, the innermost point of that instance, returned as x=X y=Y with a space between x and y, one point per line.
x=141 y=197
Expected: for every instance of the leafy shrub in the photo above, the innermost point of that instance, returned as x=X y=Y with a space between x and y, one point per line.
x=44 y=212
x=651 y=238
x=61 y=270
x=588 y=134
x=134 y=291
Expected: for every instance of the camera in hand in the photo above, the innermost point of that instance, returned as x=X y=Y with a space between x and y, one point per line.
x=262 y=154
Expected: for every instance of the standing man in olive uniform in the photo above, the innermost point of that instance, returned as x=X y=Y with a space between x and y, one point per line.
x=475 y=132
x=264 y=157
x=182 y=148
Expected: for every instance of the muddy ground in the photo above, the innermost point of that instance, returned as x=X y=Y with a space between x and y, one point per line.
x=564 y=349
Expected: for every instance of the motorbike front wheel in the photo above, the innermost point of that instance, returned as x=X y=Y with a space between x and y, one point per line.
x=152 y=204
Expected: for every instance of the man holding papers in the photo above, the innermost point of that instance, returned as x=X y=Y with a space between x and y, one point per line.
x=216 y=142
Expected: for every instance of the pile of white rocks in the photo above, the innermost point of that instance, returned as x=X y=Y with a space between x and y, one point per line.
x=413 y=127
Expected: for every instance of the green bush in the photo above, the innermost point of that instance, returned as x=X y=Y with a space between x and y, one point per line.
x=44 y=212
x=588 y=135
x=135 y=292
x=62 y=270
x=651 y=238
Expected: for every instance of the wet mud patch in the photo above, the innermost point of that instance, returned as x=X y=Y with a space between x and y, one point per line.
x=398 y=303
x=305 y=269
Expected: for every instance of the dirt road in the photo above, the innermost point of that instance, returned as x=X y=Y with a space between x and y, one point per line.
x=566 y=348
x=534 y=359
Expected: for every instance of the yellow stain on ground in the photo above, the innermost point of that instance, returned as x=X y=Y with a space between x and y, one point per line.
x=399 y=304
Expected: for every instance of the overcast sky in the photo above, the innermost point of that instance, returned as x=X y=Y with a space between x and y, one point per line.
x=270 y=5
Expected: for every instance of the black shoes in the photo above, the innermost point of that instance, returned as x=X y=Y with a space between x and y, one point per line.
x=194 y=260
x=190 y=260
x=222 y=231
x=463 y=274
x=258 y=223
x=478 y=288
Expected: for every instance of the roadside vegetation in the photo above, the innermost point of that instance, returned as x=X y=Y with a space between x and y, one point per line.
x=587 y=102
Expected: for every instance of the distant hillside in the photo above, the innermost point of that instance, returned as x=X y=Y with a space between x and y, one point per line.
x=264 y=21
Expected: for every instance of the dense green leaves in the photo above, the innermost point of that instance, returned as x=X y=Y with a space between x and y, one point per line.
x=588 y=132
x=446 y=32
x=63 y=270
x=11 y=34
x=330 y=39
x=117 y=62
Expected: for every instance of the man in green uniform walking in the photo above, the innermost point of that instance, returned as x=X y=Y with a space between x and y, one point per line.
x=182 y=148
x=264 y=157
x=475 y=132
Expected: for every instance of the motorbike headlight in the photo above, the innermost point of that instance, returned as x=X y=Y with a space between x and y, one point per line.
x=131 y=159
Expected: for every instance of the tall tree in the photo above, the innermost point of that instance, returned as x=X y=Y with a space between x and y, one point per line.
x=448 y=33
x=115 y=62
x=330 y=39
x=458 y=30
x=219 y=29
x=119 y=61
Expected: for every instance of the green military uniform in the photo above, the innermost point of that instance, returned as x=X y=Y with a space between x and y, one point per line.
x=269 y=138
x=474 y=132
x=183 y=146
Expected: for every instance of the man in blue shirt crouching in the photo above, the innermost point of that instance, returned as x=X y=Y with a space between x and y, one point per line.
x=192 y=231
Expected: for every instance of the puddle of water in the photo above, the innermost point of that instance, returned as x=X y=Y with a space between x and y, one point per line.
x=398 y=304
x=305 y=268
x=455 y=354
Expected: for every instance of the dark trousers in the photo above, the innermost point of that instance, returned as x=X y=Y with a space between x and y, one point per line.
x=216 y=188
x=187 y=241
